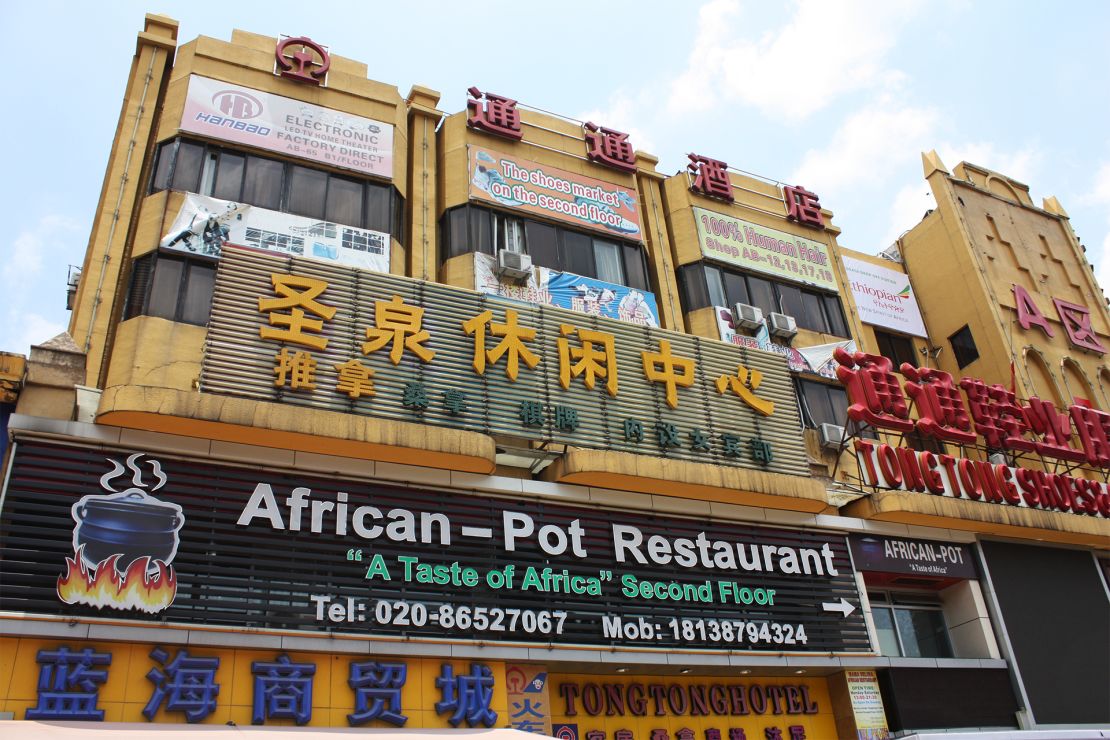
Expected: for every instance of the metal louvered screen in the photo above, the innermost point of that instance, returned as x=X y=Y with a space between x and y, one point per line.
x=238 y=361
x=243 y=553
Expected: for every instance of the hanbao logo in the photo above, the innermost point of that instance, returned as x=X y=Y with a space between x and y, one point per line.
x=237 y=104
x=124 y=542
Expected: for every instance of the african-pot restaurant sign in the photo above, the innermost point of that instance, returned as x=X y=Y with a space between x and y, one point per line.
x=1078 y=436
x=583 y=202
x=294 y=128
x=301 y=332
x=130 y=535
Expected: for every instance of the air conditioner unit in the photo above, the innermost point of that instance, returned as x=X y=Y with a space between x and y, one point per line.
x=782 y=326
x=748 y=317
x=514 y=265
x=830 y=436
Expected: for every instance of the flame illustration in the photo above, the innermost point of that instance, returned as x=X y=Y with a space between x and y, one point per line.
x=132 y=589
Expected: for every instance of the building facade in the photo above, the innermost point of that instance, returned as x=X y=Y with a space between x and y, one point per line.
x=374 y=415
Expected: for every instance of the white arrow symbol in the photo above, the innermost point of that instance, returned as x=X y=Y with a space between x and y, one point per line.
x=844 y=607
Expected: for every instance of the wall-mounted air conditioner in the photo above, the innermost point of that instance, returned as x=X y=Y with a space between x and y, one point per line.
x=748 y=317
x=514 y=265
x=782 y=326
x=830 y=436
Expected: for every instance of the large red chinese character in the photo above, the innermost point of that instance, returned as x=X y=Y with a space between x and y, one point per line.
x=710 y=177
x=940 y=408
x=1077 y=323
x=873 y=390
x=609 y=147
x=1054 y=428
x=802 y=206
x=1094 y=432
x=494 y=114
x=998 y=418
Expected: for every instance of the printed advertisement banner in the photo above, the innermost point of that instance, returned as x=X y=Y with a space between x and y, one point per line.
x=294 y=128
x=867 y=705
x=577 y=200
x=125 y=534
x=762 y=249
x=567 y=290
x=817 y=360
x=884 y=297
x=204 y=224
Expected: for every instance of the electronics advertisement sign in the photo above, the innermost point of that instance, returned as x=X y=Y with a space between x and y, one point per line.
x=290 y=127
x=130 y=535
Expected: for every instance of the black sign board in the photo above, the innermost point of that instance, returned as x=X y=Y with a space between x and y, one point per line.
x=132 y=535
x=915 y=557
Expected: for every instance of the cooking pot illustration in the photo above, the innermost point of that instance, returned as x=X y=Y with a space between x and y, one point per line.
x=131 y=523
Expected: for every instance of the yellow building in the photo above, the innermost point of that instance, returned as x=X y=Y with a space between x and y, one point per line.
x=373 y=415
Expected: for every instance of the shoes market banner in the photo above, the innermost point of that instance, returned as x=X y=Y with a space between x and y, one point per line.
x=583 y=202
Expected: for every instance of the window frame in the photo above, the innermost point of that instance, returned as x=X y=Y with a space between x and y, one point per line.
x=145 y=267
x=886 y=341
x=476 y=221
x=894 y=601
x=960 y=348
x=811 y=299
x=377 y=198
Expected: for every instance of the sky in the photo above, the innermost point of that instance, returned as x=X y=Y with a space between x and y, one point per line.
x=840 y=97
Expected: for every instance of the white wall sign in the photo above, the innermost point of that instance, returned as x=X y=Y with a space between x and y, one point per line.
x=883 y=297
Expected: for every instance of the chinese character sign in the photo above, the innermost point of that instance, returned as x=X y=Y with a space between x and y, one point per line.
x=384 y=346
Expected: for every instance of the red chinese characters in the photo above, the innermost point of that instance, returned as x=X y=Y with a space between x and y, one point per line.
x=802 y=206
x=873 y=390
x=940 y=408
x=998 y=418
x=494 y=114
x=876 y=398
x=609 y=147
x=710 y=177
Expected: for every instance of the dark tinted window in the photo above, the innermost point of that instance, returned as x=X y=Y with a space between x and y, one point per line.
x=736 y=289
x=164 y=290
x=822 y=404
x=196 y=298
x=897 y=347
x=379 y=208
x=344 y=202
x=481 y=237
x=963 y=347
x=456 y=232
x=307 y=192
x=262 y=184
x=578 y=255
x=229 y=176
x=186 y=169
x=835 y=315
x=762 y=294
x=634 y=269
x=692 y=283
x=542 y=244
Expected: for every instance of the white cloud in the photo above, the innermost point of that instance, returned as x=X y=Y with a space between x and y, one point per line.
x=619 y=114
x=25 y=259
x=910 y=205
x=825 y=49
x=33 y=329
x=870 y=146
x=1099 y=197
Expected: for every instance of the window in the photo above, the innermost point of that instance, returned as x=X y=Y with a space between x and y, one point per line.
x=171 y=287
x=475 y=229
x=896 y=347
x=963 y=347
x=910 y=625
x=812 y=309
x=278 y=186
x=822 y=403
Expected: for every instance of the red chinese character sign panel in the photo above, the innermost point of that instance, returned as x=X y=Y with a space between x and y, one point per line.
x=1079 y=435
